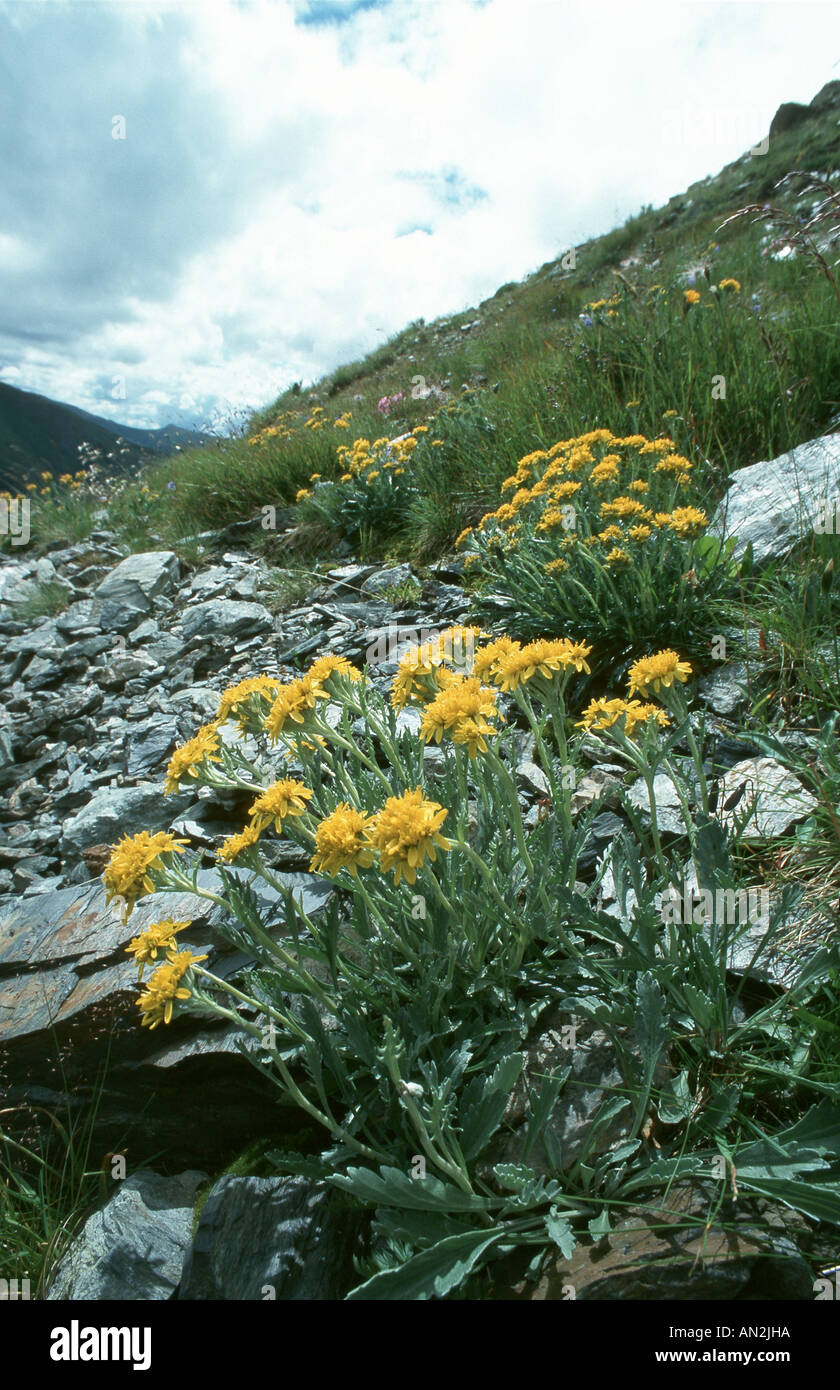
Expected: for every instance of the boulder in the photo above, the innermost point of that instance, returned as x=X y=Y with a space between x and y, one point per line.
x=138 y=580
x=134 y=1247
x=222 y=617
x=775 y=504
x=272 y=1238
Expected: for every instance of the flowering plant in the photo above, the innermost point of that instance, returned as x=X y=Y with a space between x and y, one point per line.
x=396 y=1018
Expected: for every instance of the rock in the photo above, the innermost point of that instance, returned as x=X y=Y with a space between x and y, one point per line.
x=134 y=1247
x=138 y=579
x=725 y=690
x=117 y=811
x=219 y=617
x=773 y=796
x=531 y=779
x=775 y=504
x=676 y=1250
x=789 y=115
x=668 y=811
x=283 y=1238
x=386 y=579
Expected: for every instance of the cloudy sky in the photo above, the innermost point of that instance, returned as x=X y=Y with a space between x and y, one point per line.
x=298 y=179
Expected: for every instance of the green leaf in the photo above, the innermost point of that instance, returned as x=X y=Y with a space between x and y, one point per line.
x=484 y=1103
x=560 y=1232
x=600 y=1226
x=675 y=1101
x=391 y=1187
x=432 y=1273
x=701 y=1007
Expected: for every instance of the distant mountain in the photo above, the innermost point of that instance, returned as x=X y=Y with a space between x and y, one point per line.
x=39 y=435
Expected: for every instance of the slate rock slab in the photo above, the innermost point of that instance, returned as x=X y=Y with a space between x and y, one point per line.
x=139 y=579
x=134 y=1247
x=224 y=617
x=259 y=1238
x=116 y=811
x=771 y=796
x=776 y=503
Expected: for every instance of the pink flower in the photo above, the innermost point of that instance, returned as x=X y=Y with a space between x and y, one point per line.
x=384 y=405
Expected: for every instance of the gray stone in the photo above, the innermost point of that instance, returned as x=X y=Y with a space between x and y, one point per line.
x=774 y=798
x=134 y=1247
x=138 y=580
x=725 y=690
x=286 y=1235
x=150 y=746
x=386 y=579
x=531 y=779
x=777 y=503
x=117 y=811
x=219 y=617
x=668 y=811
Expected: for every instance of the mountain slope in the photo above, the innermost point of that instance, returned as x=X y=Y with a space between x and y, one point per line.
x=38 y=434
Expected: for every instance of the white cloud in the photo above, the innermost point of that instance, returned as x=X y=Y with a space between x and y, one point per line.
x=505 y=130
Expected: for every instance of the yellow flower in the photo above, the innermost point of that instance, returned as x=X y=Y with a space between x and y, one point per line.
x=617 y=556
x=729 y=284
x=688 y=521
x=235 y=695
x=405 y=832
x=293 y=701
x=463 y=710
x=625 y=507
x=610 y=533
x=487 y=659
x=160 y=936
x=340 y=842
x=325 y=666
x=235 y=845
x=303 y=492
x=127 y=871
x=638 y=485
x=639 y=533
x=601 y=714
x=286 y=798
x=186 y=760
x=556 y=566
x=420 y=674
x=628 y=405
x=691 y=296
x=636 y=713
x=544 y=658
x=651 y=672
x=467 y=531
x=164 y=987
x=673 y=463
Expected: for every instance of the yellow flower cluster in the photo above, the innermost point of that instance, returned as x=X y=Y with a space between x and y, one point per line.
x=650 y=673
x=593 y=475
x=127 y=873
x=165 y=986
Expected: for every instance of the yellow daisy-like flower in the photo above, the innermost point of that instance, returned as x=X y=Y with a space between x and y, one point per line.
x=606 y=471
x=236 y=695
x=638 y=485
x=326 y=666
x=691 y=296
x=618 y=557
x=673 y=463
x=543 y=658
x=302 y=493
x=160 y=936
x=661 y=669
x=464 y=711
x=283 y=799
x=625 y=507
x=293 y=701
x=340 y=842
x=734 y=286
x=601 y=714
x=235 y=845
x=164 y=987
x=610 y=533
x=488 y=658
x=185 y=761
x=688 y=521
x=420 y=674
x=556 y=566
x=407 y=831
x=636 y=713
x=639 y=533
x=127 y=871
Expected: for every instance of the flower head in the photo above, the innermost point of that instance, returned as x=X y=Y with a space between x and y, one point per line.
x=406 y=831
x=127 y=871
x=661 y=669
x=463 y=711
x=283 y=799
x=164 y=987
x=160 y=936
x=186 y=760
x=340 y=842
x=235 y=845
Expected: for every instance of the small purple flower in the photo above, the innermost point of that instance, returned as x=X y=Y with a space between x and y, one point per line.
x=170 y=486
x=586 y=320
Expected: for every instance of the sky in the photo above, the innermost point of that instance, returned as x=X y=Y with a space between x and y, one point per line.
x=203 y=202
